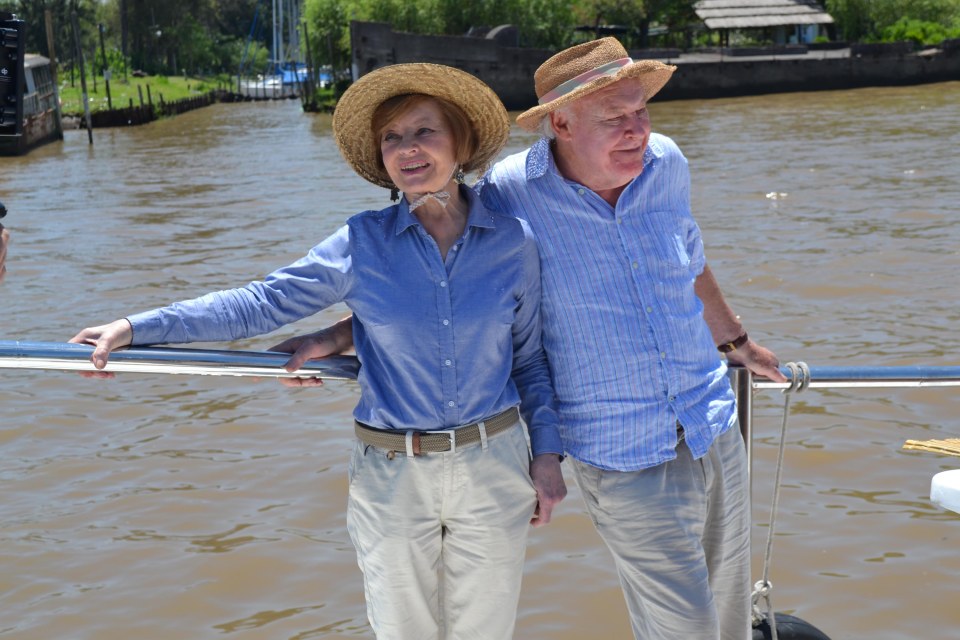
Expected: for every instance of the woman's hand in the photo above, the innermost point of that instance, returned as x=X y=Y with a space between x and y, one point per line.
x=104 y=339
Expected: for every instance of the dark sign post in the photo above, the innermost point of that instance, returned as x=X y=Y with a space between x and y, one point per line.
x=11 y=75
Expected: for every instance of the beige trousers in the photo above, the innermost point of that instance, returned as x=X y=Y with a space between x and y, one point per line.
x=441 y=538
x=679 y=534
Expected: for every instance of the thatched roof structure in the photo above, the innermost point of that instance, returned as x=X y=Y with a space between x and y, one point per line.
x=748 y=14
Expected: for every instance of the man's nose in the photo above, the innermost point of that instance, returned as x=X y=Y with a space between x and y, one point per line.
x=635 y=125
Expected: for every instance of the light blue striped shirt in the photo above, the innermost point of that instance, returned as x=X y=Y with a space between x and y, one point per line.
x=441 y=343
x=629 y=350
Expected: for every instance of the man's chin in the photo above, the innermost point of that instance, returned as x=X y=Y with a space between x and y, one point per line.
x=628 y=170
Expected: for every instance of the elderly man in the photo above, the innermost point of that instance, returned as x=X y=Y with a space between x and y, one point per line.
x=634 y=325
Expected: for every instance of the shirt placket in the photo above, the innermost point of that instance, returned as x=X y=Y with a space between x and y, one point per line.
x=445 y=332
x=627 y=227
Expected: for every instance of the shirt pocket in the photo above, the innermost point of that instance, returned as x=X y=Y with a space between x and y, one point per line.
x=670 y=249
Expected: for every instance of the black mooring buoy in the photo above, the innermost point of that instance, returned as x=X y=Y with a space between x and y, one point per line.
x=788 y=628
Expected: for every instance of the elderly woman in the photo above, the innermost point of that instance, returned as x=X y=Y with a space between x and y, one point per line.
x=446 y=321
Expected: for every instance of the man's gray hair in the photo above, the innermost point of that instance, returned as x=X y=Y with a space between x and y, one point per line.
x=546 y=126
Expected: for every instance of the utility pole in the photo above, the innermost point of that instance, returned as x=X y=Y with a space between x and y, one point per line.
x=123 y=36
x=106 y=67
x=83 y=74
x=52 y=52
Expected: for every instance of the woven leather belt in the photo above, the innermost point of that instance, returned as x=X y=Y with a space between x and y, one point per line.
x=414 y=443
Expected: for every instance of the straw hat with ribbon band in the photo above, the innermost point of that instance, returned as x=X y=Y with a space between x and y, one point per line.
x=353 y=117
x=585 y=68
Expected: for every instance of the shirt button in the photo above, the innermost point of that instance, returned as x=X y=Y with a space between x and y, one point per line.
x=447 y=362
x=672 y=398
x=619 y=220
x=445 y=322
x=580 y=192
x=443 y=283
x=636 y=265
x=649 y=309
x=451 y=403
x=663 y=355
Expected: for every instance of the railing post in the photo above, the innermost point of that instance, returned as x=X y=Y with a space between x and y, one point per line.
x=741 y=379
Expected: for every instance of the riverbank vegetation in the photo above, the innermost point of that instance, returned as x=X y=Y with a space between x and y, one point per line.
x=132 y=91
x=203 y=38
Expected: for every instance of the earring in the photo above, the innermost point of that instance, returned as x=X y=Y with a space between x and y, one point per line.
x=394 y=194
x=458 y=177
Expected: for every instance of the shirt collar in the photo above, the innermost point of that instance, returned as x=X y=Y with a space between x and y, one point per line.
x=478 y=215
x=540 y=160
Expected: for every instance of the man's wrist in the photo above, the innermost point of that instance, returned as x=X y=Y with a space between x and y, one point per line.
x=549 y=454
x=733 y=345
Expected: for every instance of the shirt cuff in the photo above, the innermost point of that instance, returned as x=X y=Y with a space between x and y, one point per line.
x=546 y=439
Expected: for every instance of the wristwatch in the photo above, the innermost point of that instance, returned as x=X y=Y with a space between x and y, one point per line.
x=733 y=345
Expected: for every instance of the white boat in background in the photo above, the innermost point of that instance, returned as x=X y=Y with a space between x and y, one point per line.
x=41 y=109
x=286 y=75
x=267 y=88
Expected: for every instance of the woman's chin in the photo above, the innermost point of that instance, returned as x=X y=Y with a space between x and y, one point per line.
x=419 y=188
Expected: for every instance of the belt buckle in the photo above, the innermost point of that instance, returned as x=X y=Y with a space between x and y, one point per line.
x=451 y=434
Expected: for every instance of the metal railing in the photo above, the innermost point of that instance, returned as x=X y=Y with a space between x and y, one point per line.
x=804 y=377
x=61 y=356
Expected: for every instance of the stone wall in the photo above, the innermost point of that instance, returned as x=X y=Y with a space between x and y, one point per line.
x=509 y=70
x=756 y=77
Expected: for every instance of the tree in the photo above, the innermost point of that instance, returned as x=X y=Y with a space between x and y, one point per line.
x=32 y=13
x=859 y=20
x=541 y=23
x=328 y=31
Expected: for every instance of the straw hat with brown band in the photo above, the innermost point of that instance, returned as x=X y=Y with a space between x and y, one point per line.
x=585 y=68
x=353 y=117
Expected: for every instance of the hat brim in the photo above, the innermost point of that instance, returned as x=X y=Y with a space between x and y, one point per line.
x=353 y=117
x=652 y=74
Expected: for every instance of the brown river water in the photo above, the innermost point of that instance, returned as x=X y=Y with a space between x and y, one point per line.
x=156 y=506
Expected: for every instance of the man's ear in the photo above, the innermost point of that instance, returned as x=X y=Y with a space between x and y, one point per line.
x=560 y=122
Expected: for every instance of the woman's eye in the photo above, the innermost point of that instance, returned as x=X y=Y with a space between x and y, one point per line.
x=423 y=131
x=390 y=137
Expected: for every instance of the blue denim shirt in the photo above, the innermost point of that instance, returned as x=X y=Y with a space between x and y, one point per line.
x=623 y=327
x=441 y=343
